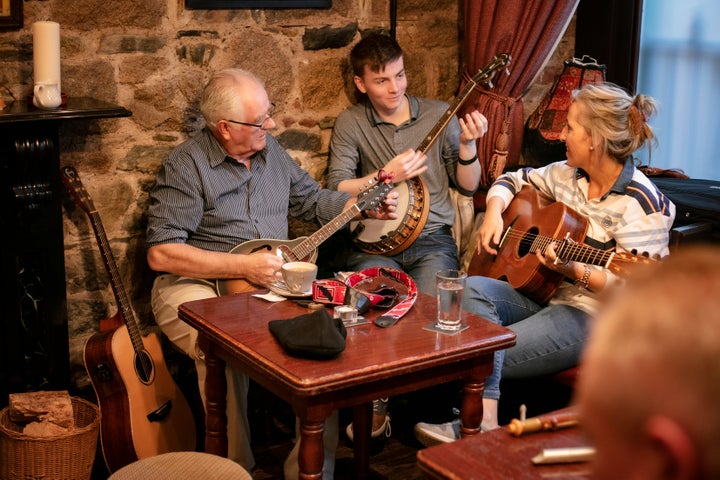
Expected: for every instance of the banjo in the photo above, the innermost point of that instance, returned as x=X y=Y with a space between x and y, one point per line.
x=391 y=237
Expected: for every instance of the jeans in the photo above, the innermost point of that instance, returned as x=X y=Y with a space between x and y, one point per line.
x=421 y=260
x=549 y=338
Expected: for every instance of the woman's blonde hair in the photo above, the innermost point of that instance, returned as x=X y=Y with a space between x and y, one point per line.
x=614 y=119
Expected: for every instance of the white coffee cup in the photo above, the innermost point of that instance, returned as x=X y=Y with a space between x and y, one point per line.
x=299 y=276
x=47 y=95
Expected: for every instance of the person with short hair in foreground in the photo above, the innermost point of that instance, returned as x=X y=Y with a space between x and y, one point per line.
x=650 y=380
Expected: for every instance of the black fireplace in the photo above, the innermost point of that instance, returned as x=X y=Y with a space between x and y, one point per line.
x=34 y=353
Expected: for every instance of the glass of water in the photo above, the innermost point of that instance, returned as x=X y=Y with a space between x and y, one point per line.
x=450 y=289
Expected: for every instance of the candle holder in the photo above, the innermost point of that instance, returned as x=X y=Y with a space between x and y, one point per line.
x=30 y=99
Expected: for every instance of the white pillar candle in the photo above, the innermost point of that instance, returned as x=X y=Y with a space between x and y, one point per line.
x=46 y=52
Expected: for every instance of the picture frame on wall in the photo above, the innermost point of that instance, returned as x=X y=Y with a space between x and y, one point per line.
x=255 y=4
x=11 y=14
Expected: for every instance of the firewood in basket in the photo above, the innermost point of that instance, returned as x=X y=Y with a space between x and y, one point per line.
x=52 y=406
x=44 y=429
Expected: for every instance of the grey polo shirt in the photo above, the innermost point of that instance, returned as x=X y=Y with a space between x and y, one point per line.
x=361 y=140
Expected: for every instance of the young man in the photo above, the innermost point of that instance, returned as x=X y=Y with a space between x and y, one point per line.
x=231 y=183
x=382 y=131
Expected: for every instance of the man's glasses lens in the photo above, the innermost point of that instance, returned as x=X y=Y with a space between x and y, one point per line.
x=268 y=116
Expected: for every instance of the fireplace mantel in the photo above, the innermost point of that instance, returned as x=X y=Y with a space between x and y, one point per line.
x=34 y=347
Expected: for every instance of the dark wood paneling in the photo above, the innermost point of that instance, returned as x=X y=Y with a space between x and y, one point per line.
x=609 y=31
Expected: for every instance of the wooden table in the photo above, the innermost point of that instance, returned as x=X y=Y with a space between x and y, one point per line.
x=497 y=455
x=376 y=363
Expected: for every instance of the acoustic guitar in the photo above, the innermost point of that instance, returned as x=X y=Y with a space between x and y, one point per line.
x=305 y=248
x=533 y=223
x=143 y=412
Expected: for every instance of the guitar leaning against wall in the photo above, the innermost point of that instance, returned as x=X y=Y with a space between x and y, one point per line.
x=143 y=412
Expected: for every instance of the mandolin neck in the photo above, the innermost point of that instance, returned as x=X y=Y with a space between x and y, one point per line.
x=307 y=246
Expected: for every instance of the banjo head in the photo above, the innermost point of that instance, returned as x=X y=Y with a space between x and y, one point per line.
x=390 y=237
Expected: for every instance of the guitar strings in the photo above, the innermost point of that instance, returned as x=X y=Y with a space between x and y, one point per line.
x=533 y=242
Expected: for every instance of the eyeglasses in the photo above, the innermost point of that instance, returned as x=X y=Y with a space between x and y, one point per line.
x=268 y=116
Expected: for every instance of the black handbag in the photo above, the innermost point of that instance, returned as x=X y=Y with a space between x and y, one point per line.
x=541 y=138
x=312 y=335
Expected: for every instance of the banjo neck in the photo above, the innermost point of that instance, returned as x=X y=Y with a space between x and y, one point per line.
x=484 y=75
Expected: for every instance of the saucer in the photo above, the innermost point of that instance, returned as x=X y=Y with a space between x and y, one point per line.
x=281 y=289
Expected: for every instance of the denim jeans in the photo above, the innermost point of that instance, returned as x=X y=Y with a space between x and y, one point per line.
x=549 y=338
x=421 y=260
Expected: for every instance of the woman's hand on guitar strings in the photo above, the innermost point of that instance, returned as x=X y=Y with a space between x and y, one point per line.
x=550 y=259
x=491 y=230
x=408 y=164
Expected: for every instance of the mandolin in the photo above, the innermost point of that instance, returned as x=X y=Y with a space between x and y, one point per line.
x=143 y=412
x=305 y=248
x=533 y=224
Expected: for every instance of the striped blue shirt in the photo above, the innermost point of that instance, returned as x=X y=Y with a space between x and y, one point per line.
x=208 y=200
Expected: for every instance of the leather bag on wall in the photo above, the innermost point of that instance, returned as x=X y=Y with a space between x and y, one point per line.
x=541 y=139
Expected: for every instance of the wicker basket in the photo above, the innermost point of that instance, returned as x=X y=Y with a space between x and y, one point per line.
x=68 y=456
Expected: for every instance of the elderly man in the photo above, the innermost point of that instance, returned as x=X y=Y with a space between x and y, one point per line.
x=231 y=183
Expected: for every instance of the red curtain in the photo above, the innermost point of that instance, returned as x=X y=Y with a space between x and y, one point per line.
x=528 y=30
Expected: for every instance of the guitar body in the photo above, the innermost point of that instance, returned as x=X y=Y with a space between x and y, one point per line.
x=526 y=217
x=230 y=286
x=143 y=412
x=139 y=419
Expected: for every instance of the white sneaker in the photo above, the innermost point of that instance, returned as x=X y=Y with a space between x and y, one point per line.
x=430 y=434
x=383 y=430
x=379 y=410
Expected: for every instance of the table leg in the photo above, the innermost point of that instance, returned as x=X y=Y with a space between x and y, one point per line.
x=311 y=454
x=215 y=410
x=362 y=426
x=471 y=407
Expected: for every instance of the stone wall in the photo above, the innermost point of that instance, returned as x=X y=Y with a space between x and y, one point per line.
x=153 y=57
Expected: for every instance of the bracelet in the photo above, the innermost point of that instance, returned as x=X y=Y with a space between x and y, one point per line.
x=468 y=162
x=584 y=281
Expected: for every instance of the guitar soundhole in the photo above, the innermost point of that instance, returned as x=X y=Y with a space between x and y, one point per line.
x=144 y=367
x=525 y=245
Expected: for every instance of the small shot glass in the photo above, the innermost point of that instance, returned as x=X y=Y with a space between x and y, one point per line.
x=346 y=313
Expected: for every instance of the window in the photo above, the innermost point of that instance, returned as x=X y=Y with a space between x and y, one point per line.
x=679 y=65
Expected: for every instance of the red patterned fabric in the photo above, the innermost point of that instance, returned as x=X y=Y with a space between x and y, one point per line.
x=542 y=144
x=551 y=115
x=528 y=30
